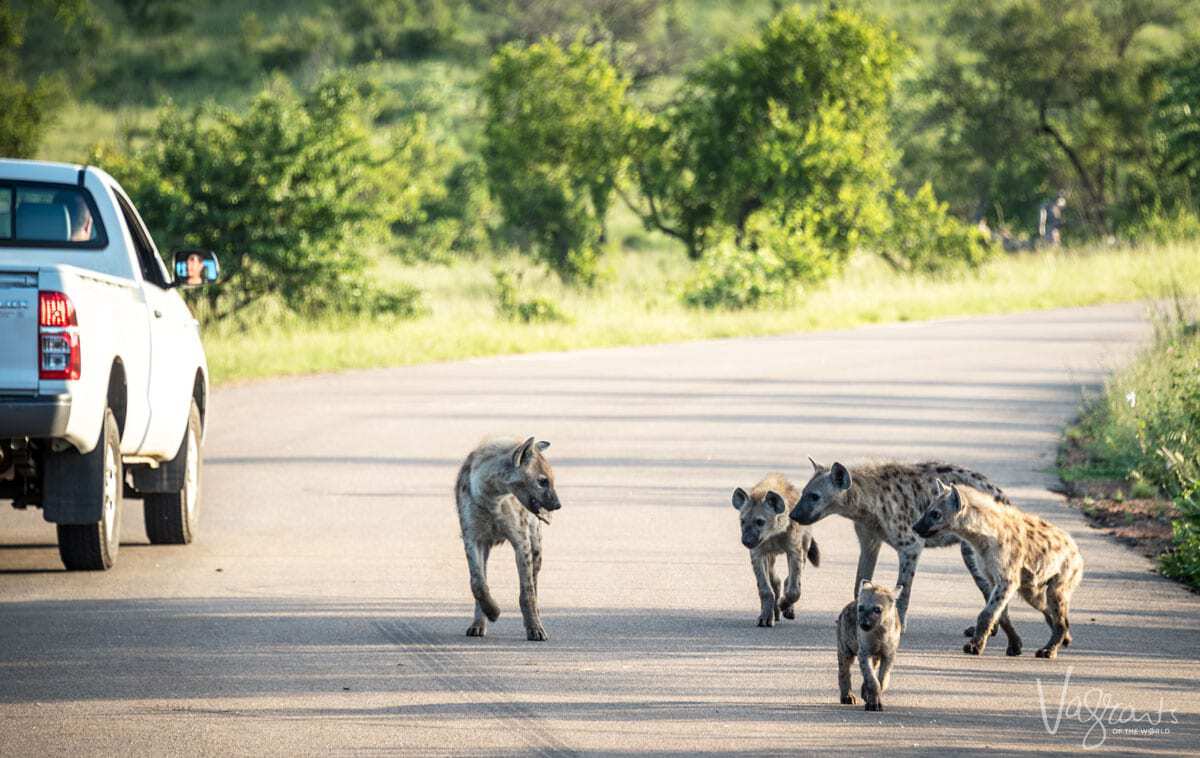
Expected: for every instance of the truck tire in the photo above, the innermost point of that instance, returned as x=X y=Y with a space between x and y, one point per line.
x=93 y=547
x=171 y=517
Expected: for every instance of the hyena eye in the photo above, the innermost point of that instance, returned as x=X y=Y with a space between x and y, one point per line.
x=543 y=482
x=876 y=609
x=813 y=497
x=760 y=521
x=937 y=515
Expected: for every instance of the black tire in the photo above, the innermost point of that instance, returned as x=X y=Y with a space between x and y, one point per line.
x=171 y=517
x=93 y=547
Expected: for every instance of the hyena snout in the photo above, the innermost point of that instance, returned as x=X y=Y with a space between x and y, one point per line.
x=751 y=539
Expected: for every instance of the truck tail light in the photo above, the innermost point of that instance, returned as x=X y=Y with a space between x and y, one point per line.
x=58 y=337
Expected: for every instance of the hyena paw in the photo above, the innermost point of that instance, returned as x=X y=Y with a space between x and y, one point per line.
x=789 y=611
x=536 y=634
x=974 y=647
x=491 y=610
x=874 y=705
x=1013 y=649
x=970 y=632
x=477 y=629
x=1047 y=652
x=768 y=620
x=1066 y=641
x=849 y=699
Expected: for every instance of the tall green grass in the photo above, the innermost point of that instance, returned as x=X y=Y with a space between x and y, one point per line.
x=640 y=305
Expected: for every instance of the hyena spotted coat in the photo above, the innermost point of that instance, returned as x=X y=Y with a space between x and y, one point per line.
x=1018 y=552
x=884 y=501
x=768 y=532
x=505 y=492
x=868 y=628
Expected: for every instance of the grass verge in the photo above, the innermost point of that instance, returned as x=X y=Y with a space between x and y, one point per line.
x=640 y=305
x=1132 y=462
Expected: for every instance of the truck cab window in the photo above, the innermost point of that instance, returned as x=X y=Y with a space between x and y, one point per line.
x=148 y=260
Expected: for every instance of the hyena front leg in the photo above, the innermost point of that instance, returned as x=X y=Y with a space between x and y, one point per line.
x=971 y=561
x=870 y=688
x=523 y=549
x=776 y=587
x=1002 y=593
x=908 y=569
x=885 y=672
x=485 y=607
x=868 y=555
x=766 y=593
x=791 y=587
x=845 y=658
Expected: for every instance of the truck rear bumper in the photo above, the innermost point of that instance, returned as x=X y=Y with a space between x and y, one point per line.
x=38 y=417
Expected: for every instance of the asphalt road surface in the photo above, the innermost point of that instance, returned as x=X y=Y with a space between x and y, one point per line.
x=323 y=609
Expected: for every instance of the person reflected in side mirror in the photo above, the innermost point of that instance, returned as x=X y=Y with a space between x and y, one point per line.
x=195 y=269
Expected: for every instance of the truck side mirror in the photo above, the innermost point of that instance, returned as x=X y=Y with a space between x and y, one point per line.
x=195 y=268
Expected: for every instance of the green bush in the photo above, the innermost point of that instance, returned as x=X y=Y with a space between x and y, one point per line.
x=400 y=28
x=512 y=306
x=924 y=237
x=287 y=193
x=1163 y=226
x=555 y=137
x=157 y=15
x=294 y=41
x=794 y=118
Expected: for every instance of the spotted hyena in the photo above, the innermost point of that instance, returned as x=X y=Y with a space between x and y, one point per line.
x=884 y=501
x=505 y=492
x=1018 y=552
x=768 y=533
x=868 y=628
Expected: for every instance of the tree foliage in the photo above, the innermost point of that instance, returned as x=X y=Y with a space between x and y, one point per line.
x=400 y=28
x=555 y=137
x=792 y=123
x=1029 y=96
x=285 y=193
x=1178 y=120
x=925 y=237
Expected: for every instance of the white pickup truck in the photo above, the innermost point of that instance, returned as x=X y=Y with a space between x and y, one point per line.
x=103 y=379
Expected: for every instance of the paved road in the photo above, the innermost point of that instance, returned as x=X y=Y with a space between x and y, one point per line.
x=323 y=610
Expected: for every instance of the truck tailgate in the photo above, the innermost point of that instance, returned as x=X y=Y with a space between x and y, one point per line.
x=18 y=331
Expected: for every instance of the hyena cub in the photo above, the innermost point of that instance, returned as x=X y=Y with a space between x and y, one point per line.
x=869 y=629
x=768 y=532
x=505 y=492
x=1018 y=552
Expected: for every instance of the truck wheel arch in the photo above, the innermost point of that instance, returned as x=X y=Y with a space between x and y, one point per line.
x=200 y=395
x=118 y=393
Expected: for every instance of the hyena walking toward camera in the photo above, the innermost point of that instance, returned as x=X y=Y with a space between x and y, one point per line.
x=868 y=628
x=884 y=501
x=505 y=492
x=768 y=533
x=1019 y=552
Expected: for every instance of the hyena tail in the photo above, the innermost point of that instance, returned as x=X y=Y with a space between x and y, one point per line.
x=814 y=554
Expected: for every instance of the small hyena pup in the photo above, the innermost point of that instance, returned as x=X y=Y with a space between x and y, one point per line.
x=768 y=532
x=505 y=492
x=868 y=628
x=883 y=501
x=1019 y=552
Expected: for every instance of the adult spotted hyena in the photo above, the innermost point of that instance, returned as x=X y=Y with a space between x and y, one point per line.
x=868 y=628
x=1018 y=552
x=884 y=501
x=768 y=533
x=505 y=492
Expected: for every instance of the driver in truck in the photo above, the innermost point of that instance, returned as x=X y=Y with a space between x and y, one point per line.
x=80 y=214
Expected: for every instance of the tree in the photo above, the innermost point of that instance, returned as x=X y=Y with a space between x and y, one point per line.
x=1177 y=120
x=556 y=134
x=43 y=44
x=792 y=124
x=1030 y=94
x=286 y=193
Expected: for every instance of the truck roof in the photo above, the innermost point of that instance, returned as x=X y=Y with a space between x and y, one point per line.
x=39 y=171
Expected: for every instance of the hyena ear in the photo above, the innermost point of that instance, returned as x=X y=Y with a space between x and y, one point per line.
x=817 y=468
x=542 y=444
x=739 y=498
x=841 y=476
x=939 y=487
x=899 y=590
x=955 y=498
x=522 y=453
x=866 y=584
x=775 y=501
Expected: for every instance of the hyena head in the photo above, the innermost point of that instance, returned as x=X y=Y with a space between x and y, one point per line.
x=531 y=480
x=761 y=518
x=942 y=512
x=875 y=604
x=822 y=492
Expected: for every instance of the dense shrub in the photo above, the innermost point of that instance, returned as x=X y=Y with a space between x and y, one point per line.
x=555 y=137
x=293 y=41
x=795 y=118
x=157 y=15
x=1161 y=225
x=924 y=237
x=287 y=193
x=400 y=28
